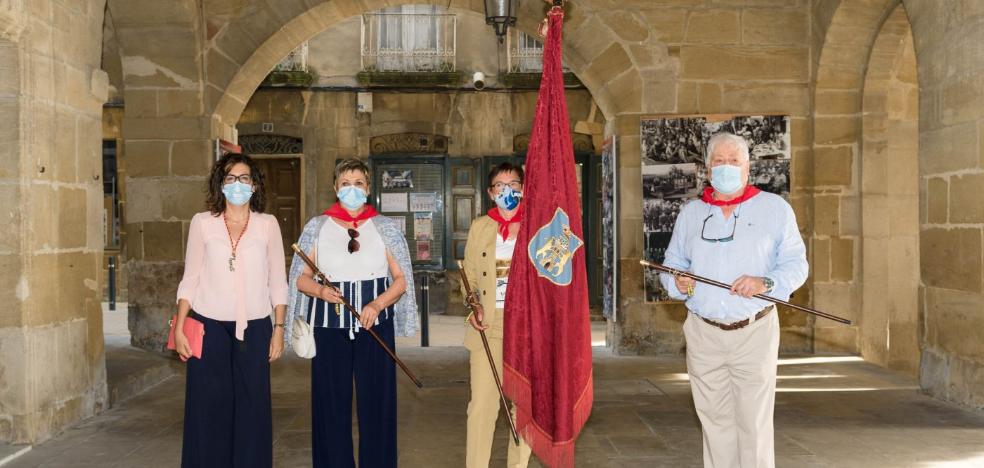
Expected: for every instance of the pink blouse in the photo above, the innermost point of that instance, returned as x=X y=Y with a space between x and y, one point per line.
x=258 y=283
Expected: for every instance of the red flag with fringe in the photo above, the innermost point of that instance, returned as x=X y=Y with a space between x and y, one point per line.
x=547 y=344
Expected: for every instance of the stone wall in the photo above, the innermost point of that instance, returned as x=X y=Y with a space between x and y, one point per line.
x=166 y=152
x=947 y=40
x=889 y=193
x=837 y=143
x=705 y=58
x=52 y=366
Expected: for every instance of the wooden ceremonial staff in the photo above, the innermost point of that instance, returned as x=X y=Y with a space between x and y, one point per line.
x=318 y=275
x=719 y=284
x=469 y=298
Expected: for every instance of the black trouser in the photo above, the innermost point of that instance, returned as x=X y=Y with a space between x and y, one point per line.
x=337 y=361
x=228 y=421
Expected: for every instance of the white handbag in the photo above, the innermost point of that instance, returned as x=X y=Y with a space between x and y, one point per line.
x=302 y=338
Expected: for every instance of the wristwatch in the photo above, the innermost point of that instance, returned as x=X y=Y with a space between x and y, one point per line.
x=769 y=284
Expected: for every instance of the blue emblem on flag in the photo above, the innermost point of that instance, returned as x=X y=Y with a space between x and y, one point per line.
x=552 y=248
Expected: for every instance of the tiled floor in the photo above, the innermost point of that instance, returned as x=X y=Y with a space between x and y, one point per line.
x=830 y=412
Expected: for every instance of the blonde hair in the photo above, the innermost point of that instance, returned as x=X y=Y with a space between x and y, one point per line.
x=351 y=164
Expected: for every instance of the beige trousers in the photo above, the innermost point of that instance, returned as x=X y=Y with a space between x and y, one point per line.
x=733 y=381
x=483 y=411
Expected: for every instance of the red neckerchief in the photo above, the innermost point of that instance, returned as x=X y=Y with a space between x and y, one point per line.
x=503 y=222
x=336 y=211
x=708 y=196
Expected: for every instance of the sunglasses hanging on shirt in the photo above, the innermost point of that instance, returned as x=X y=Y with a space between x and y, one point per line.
x=353 y=245
x=722 y=239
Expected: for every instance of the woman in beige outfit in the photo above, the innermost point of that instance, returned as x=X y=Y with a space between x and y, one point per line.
x=491 y=240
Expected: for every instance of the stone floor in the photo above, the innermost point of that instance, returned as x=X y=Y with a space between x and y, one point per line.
x=830 y=412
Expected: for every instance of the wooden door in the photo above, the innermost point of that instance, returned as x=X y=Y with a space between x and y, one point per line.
x=283 y=192
x=465 y=195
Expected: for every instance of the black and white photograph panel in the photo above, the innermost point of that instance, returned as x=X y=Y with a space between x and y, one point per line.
x=654 y=250
x=767 y=136
x=397 y=179
x=771 y=175
x=672 y=141
x=659 y=214
x=670 y=181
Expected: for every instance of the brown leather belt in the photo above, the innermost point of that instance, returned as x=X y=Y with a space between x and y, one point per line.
x=741 y=323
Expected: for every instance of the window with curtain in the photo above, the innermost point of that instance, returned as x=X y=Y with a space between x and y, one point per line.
x=410 y=38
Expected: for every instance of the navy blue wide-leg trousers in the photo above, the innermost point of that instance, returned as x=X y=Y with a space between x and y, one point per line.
x=228 y=420
x=337 y=362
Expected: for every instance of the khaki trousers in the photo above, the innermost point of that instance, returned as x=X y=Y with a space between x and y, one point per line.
x=733 y=381
x=483 y=411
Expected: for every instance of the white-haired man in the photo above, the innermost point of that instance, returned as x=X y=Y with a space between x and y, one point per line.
x=738 y=235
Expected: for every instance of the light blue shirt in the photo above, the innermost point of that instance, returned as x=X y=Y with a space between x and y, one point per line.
x=766 y=243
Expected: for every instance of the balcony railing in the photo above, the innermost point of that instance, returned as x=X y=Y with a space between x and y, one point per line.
x=295 y=61
x=408 y=42
x=525 y=53
x=292 y=71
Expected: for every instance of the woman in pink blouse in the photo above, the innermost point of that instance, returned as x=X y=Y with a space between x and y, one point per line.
x=234 y=277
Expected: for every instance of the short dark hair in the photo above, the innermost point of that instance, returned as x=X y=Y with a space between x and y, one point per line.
x=506 y=167
x=216 y=199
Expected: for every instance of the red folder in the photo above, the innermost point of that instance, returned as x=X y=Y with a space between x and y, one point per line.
x=194 y=330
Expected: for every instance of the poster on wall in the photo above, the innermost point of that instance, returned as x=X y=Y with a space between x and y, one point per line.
x=423 y=226
x=423 y=250
x=393 y=202
x=674 y=173
x=426 y=201
x=609 y=233
x=397 y=179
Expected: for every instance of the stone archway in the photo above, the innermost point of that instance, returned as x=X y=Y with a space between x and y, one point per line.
x=889 y=194
x=947 y=38
x=837 y=145
x=182 y=93
x=614 y=80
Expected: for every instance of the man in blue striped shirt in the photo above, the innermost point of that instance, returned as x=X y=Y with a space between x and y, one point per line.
x=738 y=235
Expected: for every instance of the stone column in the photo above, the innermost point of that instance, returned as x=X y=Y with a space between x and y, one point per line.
x=167 y=162
x=52 y=366
x=167 y=152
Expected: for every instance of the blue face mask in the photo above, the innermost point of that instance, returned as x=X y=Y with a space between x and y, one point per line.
x=352 y=197
x=237 y=193
x=726 y=179
x=508 y=199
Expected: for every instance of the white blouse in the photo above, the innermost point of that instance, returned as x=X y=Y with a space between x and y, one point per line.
x=503 y=258
x=335 y=261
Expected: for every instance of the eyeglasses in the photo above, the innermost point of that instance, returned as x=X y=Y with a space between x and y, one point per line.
x=245 y=179
x=353 y=245
x=516 y=185
x=723 y=239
